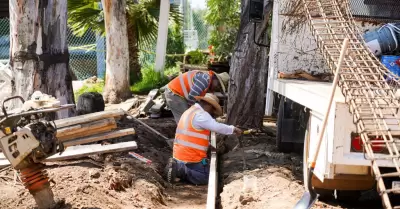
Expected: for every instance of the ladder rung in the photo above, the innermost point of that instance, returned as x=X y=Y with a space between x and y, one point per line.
x=385 y=158
x=393 y=174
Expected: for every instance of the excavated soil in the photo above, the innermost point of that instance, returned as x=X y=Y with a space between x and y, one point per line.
x=118 y=181
x=278 y=183
x=112 y=180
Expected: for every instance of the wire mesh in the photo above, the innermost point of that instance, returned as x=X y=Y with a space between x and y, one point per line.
x=4 y=39
x=195 y=30
x=376 y=10
x=87 y=53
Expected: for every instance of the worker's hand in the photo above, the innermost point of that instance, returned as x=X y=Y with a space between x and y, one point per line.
x=237 y=131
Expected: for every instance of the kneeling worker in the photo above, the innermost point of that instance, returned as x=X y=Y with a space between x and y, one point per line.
x=190 y=162
x=181 y=91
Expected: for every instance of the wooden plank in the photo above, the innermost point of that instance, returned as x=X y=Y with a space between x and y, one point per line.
x=100 y=137
x=88 y=118
x=79 y=128
x=80 y=151
x=213 y=177
x=88 y=133
x=85 y=150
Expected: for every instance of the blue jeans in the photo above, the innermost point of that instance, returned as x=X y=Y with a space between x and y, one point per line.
x=195 y=173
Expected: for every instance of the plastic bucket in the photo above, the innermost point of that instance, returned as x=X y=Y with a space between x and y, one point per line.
x=383 y=40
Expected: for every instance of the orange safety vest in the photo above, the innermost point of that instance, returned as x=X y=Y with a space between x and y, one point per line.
x=190 y=144
x=182 y=84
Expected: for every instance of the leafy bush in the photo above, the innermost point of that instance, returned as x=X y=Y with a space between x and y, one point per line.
x=97 y=87
x=175 y=45
x=196 y=57
x=150 y=80
x=224 y=16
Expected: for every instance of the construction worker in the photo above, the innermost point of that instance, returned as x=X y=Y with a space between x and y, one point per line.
x=181 y=91
x=190 y=162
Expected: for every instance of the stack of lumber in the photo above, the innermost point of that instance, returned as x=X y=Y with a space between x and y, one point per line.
x=91 y=128
x=86 y=129
x=76 y=152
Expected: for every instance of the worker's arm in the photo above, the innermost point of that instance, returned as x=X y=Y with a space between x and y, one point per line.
x=203 y=120
x=200 y=83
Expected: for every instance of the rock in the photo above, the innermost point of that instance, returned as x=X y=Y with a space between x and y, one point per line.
x=246 y=198
x=94 y=174
x=91 y=80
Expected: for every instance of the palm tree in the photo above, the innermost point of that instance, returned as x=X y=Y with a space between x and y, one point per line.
x=142 y=24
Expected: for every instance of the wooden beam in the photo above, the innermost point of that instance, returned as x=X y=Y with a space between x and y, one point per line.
x=99 y=137
x=213 y=177
x=85 y=150
x=88 y=133
x=89 y=118
x=80 y=151
x=79 y=128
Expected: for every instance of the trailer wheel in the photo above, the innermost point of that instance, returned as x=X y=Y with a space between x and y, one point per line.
x=324 y=194
x=285 y=147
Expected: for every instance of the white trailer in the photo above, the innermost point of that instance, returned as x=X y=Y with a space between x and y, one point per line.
x=300 y=107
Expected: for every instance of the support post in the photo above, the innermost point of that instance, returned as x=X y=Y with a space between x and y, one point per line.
x=100 y=52
x=273 y=59
x=100 y=55
x=162 y=35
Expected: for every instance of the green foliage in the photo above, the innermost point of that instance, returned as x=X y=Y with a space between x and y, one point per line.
x=143 y=17
x=196 y=57
x=175 y=45
x=97 y=87
x=84 y=15
x=224 y=16
x=150 y=80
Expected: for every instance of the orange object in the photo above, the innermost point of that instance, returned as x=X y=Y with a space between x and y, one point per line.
x=190 y=144
x=181 y=84
x=35 y=177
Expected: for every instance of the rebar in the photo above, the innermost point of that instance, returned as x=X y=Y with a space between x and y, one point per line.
x=370 y=97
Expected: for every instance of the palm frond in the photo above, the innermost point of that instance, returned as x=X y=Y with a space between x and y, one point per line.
x=144 y=19
x=84 y=15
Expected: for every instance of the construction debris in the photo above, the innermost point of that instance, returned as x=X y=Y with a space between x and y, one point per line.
x=139 y=157
x=303 y=75
x=80 y=151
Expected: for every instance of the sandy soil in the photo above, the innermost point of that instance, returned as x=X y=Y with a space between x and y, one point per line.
x=278 y=178
x=112 y=181
x=119 y=181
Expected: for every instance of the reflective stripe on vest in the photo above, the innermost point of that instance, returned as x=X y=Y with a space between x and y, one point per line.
x=190 y=82
x=191 y=145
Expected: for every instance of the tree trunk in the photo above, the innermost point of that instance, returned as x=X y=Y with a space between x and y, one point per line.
x=134 y=65
x=117 y=73
x=249 y=67
x=39 y=55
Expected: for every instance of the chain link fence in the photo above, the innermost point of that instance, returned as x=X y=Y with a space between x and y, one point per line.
x=87 y=53
x=4 y=40
x=196 y=30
